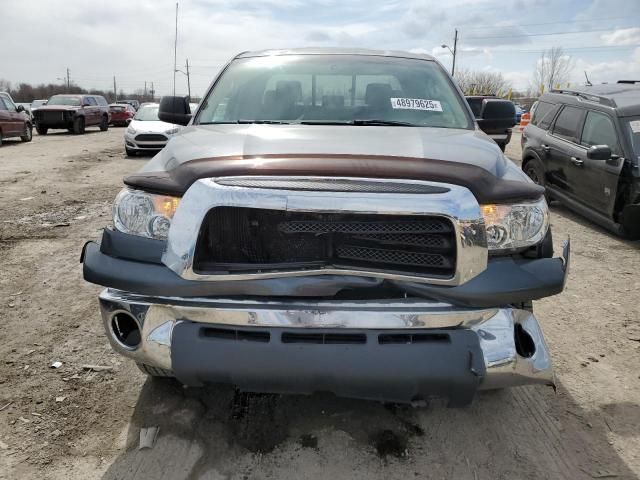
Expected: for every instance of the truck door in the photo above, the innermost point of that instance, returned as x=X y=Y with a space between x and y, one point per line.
x=562 y=147
x=595 y=182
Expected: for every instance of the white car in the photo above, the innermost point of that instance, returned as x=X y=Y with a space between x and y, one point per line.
x=146 y=133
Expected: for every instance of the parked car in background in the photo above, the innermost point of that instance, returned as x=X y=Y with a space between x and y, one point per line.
x=14 y=121
x=121 y=114
x=38 y=103
x=583 y=146
x=330 y=220
x=134 y=103
x=26 y=106
x=74 y=113
x=504 y=109
x=146 y=132
x=519 y=112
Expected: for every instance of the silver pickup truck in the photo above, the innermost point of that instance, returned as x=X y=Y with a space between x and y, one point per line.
x=330 y=220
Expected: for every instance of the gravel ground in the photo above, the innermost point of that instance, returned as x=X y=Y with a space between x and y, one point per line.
x=69 y=423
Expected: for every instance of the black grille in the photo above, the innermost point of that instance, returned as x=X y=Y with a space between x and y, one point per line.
x=50 y=117
x=400 y=257
x=150 y=137
x=238 y=239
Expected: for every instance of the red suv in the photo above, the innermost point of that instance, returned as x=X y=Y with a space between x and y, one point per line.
x=121 y=114
x=14 y=122
x=73 y=112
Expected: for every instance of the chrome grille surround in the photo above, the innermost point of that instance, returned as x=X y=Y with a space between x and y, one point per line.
x=456 y=204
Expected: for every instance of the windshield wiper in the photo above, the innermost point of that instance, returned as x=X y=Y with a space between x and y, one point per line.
x=375 y=121
x=267 y=122
x=358 y=122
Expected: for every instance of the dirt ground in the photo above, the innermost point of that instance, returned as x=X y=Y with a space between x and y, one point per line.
x=68 y=423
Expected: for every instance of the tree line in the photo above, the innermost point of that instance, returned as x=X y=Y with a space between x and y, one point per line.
x=552 y=69
x=26 y=93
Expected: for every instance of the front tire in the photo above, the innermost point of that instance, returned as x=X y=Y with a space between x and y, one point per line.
x=78 y=126
x=536 y=172
x=502 y=146
x=28 y=133
x=130 y=152
x=104 y=124
x=41 y=130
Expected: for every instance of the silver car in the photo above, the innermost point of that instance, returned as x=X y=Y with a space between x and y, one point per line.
x=146 y=132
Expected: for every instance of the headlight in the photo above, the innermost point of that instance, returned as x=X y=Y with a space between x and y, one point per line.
x=515 y=226
x=131 y=130
x=172 y=131
x=145 y=214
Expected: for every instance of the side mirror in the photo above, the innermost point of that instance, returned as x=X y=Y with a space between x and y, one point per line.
x=599 y=152
x=175 y=110
x=497 y=114
x=20 y=108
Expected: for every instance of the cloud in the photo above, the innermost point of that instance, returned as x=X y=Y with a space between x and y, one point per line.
x=608 y=72
x=623 y=36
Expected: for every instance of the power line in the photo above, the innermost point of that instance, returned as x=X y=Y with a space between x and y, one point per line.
x=603 y=48
x=564 y=22
x=540 y=34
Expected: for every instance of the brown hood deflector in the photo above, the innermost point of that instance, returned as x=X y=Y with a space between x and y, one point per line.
x=486 y=187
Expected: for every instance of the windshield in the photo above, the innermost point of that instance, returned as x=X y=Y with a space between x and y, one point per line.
x=335 y=89
x=634 y=131
x=38 y=103
x=64 y=100
x=147 y=113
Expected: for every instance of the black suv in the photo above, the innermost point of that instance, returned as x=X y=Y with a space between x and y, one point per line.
x=583 y=145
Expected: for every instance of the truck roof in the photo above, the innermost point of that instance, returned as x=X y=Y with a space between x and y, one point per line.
x=337 y=51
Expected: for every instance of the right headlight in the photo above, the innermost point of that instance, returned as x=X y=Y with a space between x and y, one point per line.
x=515 y=226
x=146 y=214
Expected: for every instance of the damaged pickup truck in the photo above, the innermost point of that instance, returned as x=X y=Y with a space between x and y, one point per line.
x=330 y=220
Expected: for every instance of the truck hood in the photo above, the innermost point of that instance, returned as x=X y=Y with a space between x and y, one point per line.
x=462 y=157
x=209 y=141
x=58 y=108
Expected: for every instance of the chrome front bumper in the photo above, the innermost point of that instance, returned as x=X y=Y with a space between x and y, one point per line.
x=504 y=361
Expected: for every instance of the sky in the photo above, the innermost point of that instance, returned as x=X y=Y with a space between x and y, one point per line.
x=133 y=40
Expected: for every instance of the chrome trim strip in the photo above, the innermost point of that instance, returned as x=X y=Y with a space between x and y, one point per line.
x=458 y=205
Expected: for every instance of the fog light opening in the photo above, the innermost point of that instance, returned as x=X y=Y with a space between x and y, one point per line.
x=525 y=345
x=126 y=330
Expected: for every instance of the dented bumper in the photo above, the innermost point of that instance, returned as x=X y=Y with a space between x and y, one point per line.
x=399 y=351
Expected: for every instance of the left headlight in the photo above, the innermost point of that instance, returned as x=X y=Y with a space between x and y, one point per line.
x=131 y=130
x=515 y=226
x=145 y=214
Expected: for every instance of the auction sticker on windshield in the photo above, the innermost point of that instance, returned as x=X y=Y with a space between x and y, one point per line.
x=416 y=104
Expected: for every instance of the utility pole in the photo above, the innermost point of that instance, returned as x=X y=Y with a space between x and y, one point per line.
x=175 y=53
x=145 y=90
x=188 y=80
x=455 y=50
x=115 y=92
x=152 y=92
x=68 y=81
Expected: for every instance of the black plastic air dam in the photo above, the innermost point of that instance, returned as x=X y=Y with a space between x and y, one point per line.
x=504 y=282
x=387 y=372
